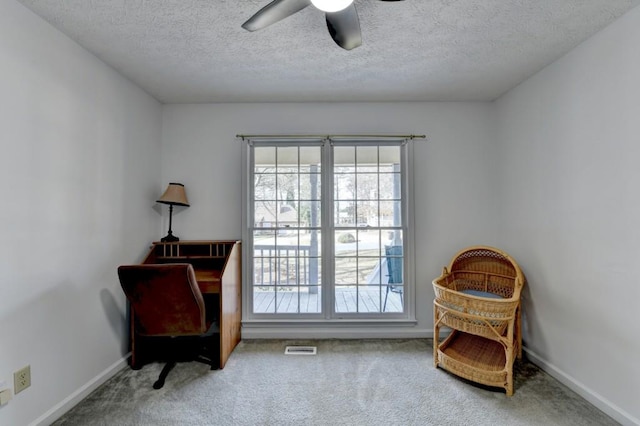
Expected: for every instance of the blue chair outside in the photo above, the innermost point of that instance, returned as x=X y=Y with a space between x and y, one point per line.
x=394 y=270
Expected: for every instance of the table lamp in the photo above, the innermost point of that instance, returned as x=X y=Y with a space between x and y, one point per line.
x=173 y=196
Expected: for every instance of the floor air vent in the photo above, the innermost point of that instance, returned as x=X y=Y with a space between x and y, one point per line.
x=300 y=350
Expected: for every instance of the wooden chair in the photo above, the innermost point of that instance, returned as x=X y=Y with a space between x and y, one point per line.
x=168 y=321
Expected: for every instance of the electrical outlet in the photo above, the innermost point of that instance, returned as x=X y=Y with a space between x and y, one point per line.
x=21 y=379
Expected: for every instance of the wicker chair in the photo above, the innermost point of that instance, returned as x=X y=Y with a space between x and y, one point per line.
x=478 y=298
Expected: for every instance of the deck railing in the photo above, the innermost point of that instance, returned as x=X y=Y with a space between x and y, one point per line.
x=284 y=265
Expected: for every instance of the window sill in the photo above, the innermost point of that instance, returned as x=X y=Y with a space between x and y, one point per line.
x=335 y=329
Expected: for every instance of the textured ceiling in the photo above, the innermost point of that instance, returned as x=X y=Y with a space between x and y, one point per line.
x=183 y=51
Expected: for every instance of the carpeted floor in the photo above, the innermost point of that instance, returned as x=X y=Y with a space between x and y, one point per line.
x=349 y=382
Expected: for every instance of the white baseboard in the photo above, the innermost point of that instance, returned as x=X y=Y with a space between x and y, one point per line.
x=602 y=403
x=72 y=400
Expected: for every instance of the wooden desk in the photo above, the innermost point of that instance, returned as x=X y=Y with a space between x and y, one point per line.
x=217 y=265
x=209 y=281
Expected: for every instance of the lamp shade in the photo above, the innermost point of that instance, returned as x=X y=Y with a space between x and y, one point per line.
x=174 y=195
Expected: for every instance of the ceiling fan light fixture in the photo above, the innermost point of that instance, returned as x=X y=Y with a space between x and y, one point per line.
x=331 y=5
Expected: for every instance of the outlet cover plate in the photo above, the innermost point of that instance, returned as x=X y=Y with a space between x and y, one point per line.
x=21 y=379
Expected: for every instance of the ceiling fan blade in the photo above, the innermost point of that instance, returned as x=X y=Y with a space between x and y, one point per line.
x=275 y=11
x=344 y=27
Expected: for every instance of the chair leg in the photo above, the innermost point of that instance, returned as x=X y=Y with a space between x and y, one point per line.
x=136 y=361
x=384 y=307
x=163 y=375
x=400 y=292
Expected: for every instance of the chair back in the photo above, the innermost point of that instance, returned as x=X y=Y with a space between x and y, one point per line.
x=394 y=263
x=165 y=299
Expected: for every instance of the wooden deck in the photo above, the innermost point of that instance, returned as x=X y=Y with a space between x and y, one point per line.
x=368 y=299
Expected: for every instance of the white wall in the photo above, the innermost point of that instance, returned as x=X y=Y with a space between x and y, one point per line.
x=570 y=147
x=548 y=174
x=80 y=173
x=454 y=197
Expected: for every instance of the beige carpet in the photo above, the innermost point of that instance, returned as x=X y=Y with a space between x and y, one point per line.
x=349 y=382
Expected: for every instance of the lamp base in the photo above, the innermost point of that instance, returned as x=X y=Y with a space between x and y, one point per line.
x=170 y=238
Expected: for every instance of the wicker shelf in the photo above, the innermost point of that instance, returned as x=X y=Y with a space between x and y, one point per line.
x=474 y=351
x=475 y=358
x=485 y=334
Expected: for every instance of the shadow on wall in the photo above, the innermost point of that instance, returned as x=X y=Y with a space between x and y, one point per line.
x=117 y=320
x=531 y=328
x=51 y=320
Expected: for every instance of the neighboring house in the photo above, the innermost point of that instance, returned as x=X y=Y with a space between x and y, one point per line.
x=286 y=216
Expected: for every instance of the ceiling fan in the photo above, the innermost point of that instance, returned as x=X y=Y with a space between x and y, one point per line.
x=341 y=16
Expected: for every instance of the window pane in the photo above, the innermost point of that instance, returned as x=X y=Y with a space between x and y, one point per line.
x=265 y=214
x=264 y=157
x=288 y=215
x=264 y=186
x=310 y=214
x=287 y=159
x=394 y=238
x=367 y=159
x=287 y=187
x=368 y=214
x=369 y=243
x=345 y=242
x=264 y=300
x=345 y=213
x=344 y=158
x=310 y=159
x=389 y=155
x=287 y=299
x=368 y=299
x=345 y=186
x=368 y=270
x=390 y=186
x=390 y=213
x=310 y=299
x=346 y=299
x=264 y=272
x=310 y=186
x=373 y=240
x=346 y=270
x=367 y=186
